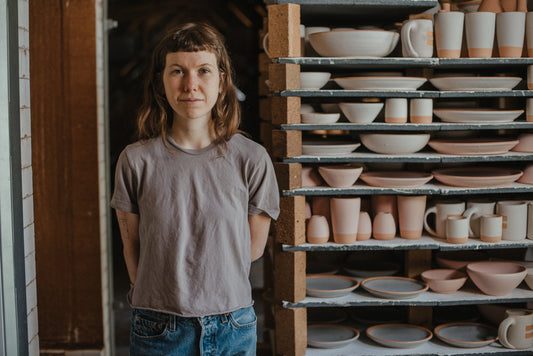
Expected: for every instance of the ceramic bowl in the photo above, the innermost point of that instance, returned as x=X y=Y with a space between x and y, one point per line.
x=529 y=278
x=319 y=118
x=340 y=176
x=306 y=108
x=399 y=336
x=330 y=336
x=328 y=286
x=444 y=280
x=394 y=143
x=380 y=83
x=527 y=177
x=313 y=80
x=525 y=143
x=459 y=259
x=354 y=43
x=361 y=113
x=467 y=335
x=496 y=278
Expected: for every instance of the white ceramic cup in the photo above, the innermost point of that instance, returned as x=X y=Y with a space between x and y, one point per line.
x=480 y=28
x=490 y=228
x=514 y=219
x=442 y=211
x=449 y=33
x=474 y=210
x=529 y=33
x=457 y=229
x=417 y=38
x=510 y=31
x=516 y=331
x=396 y=110
x=529 y=109
x=530 y=221
x=421 y=111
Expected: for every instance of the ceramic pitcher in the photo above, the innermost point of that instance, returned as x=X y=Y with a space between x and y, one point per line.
x=516 y=331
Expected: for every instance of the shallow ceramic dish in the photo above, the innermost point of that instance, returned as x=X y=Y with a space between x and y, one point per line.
x=313 y=80
x=394 y=144
x=487 y=116
x=468 y=335
x=326 y=315
x=472 y=146
x=361 y=113
x=459 y=259
x=354 y=43
x=340 y=176
x=394 y=287
x=399 y=336
x=396 y=179
x=329 y=336
x=328 y=148
x=319 y=118
x=380 y=83
x=475 y=83
x=378 y=315
x=372 y=269
x=444 y=280
x=496 y=278
x=477 y=177
x=328 y=286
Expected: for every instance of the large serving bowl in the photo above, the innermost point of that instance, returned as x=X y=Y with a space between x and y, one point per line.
x=354 y=43
x=313 y=80
x=495 y=277
x=361 y=113
x=340 y=176
x=394 y=143
x=444 y=280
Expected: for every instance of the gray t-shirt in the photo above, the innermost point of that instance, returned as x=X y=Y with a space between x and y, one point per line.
x=193 y=208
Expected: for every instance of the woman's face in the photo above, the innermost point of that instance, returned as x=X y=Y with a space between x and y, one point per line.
x=192 y=84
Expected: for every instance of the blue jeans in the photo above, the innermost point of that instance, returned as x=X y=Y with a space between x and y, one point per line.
x=155 y=333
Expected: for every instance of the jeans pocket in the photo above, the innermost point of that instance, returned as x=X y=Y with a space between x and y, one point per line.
x=243 y=318
x=148 y=325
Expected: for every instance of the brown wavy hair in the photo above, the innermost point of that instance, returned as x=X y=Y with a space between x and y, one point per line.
x=155 y=114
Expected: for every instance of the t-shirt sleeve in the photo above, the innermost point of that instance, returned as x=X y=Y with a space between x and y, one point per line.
x=125 y=193
x=263 y=187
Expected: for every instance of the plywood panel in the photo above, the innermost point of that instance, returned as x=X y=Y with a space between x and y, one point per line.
x=64 y=145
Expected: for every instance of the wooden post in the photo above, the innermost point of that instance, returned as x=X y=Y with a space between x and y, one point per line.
x=289 y=275
x=290 y=226
x=285 y=110
x=289 y=175
x=283 y=77
x=291 y=331
x=284 y=30
x=286 y=143
x=416 y=262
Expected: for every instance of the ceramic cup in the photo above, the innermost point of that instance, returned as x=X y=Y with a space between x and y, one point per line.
x=510 y=30
x=516 y=331
x=529 y=108
x=480 y=28
x=421 y=111
x=490 y=228
x=364 y=228
x=384 y=227
x=317 y=230
x=449 y=33
x=530 y=77
x=474 y=210
x=345 y=219
x=417 y=38
x=529 y=33
x=457 y=229
x=514 y=219
x=384 y=204
x=442 y=211
x=530 y=221
x=411 y=210
x=396 y=110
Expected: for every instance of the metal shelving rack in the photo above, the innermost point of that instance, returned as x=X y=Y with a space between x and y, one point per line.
x=290 y=247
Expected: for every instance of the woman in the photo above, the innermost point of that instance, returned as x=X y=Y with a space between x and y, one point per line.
x=194 y=199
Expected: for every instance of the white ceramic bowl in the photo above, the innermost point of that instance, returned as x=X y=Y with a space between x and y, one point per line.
x=361 y=113
x=496 y=278
x=394 y=143
x=313 y=80
x=319 y=118
x=354 y=43
x=340 y=176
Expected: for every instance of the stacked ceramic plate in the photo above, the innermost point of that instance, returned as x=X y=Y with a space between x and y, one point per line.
x=470 y=83
x=403 y=336
x=380 y=83
x=330 y=336
x=477 y=116
x=329 y=286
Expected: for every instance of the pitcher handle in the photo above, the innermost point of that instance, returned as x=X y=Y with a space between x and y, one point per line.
x=406 y=34
x=502 y=332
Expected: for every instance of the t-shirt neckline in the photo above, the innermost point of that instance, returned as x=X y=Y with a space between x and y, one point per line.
x=191 y=151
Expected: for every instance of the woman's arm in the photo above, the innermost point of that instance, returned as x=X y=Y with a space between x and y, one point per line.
x=129 y=230
x=259 y=227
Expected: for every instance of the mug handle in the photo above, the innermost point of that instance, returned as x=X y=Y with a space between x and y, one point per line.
x=468 y=214
x=432 y=210
x=406 y=37
x=502 y=332
x=265 y=45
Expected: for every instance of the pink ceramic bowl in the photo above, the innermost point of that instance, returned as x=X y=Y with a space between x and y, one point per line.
x=459 y=259
x=444 y=280
x=340 y=176
x=496 y=278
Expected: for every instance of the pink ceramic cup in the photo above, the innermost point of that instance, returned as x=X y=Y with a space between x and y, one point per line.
x=345 y=219
x=364 y=228
x=411 y=211
x=384 y=227
x=317 y=230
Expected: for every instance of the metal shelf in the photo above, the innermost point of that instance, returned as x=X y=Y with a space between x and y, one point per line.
x=434 y=126
x=423 y=243
x=342 y=93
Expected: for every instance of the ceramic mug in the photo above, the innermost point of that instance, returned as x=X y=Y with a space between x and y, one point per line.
x=396 y=110
x=474 y=210
x=442 y=211
x=411 y=210
x=421 y=111
x=510 y=30
x=514 y=219
x=516 y=331
x=449 y=33
x=490 y=228
x=457 y=229
x=480 y=28
x=417 y=38
x=345 y=219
